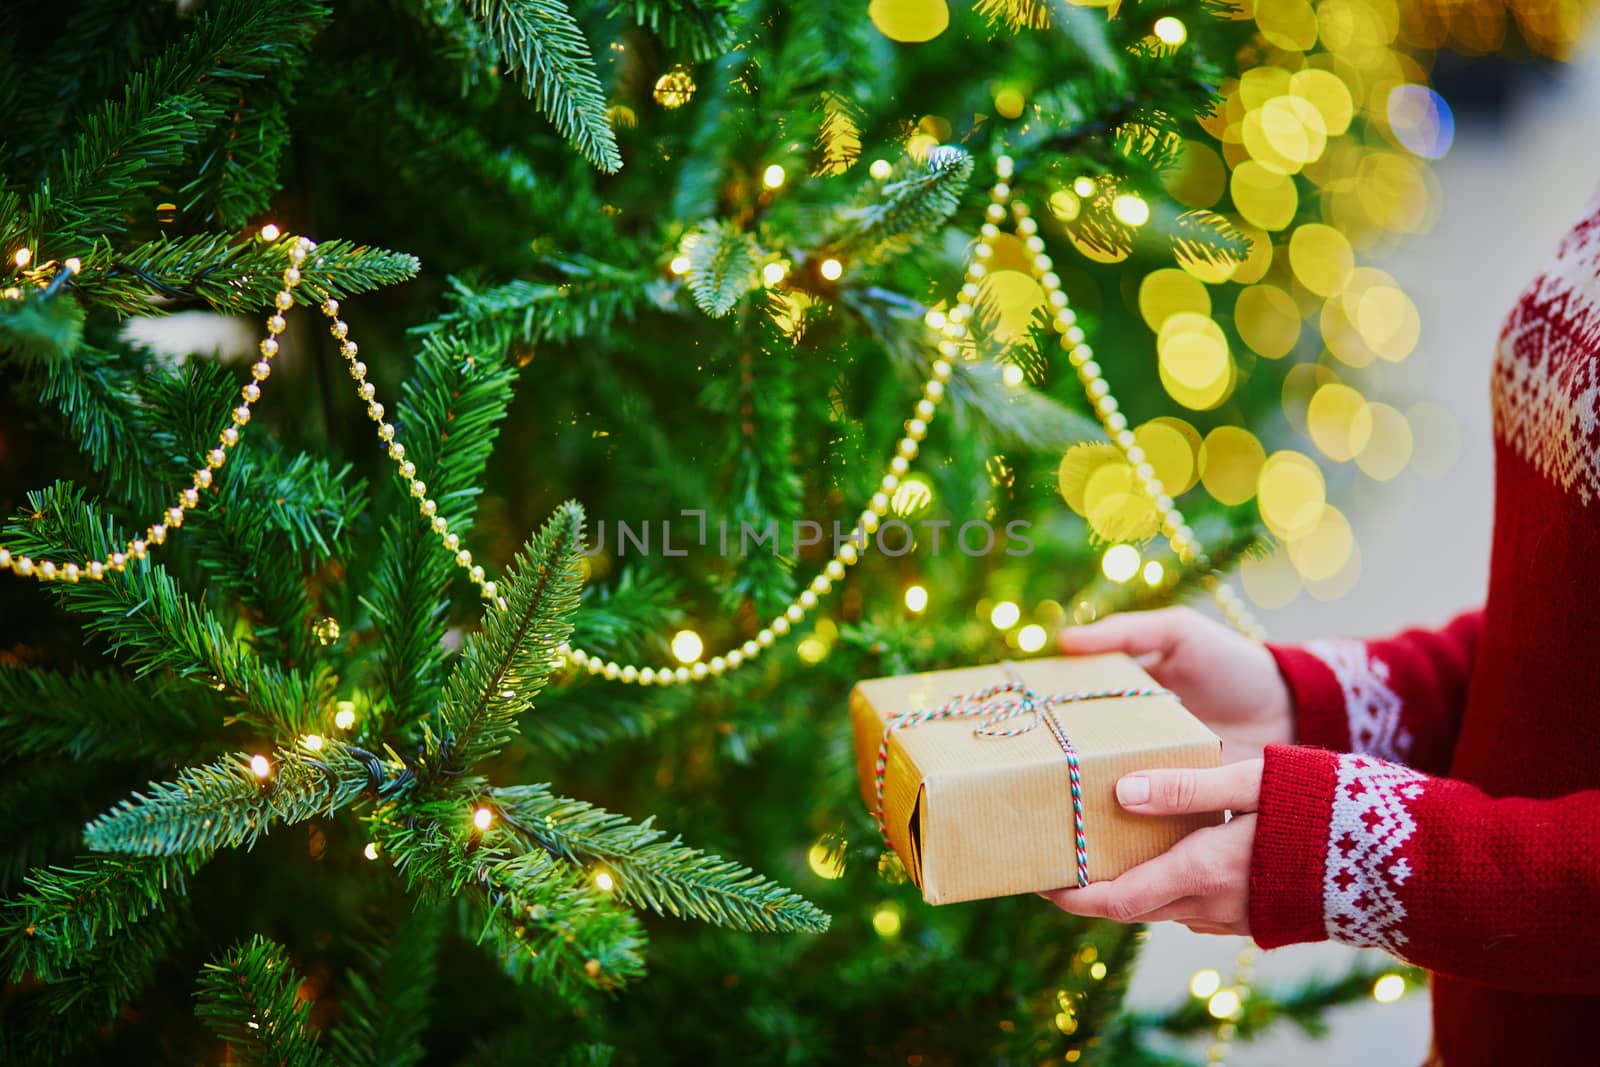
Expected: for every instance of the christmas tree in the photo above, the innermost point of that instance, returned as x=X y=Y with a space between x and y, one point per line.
x=663 y=282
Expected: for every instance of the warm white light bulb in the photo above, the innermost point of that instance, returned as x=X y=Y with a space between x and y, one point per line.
x=1005 y=615
x=1031 y=638
x=1388 y=989
x=1204 y=983
x=1154 y=572
x=270 y=232
x=345 y=716
x=313 y=742
x=831 y=269
x=1131 y=209
x=23 y=257
x=1011 y=374
x=679 y=265
x=371 y=851
x=880 y=169
x=773 y=273
x=1083 y=186
x=604 y=882
x=773 y=176
x=260 y=766
x=1169 y=30
x=483 y=818
x=1224 y=1004
x=687 y=646
x=1120 y=562
x=916 y=599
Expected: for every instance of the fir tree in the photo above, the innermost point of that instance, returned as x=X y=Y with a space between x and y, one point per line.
x=667 y=257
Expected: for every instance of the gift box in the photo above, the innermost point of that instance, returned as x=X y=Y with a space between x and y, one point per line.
x=997 y=780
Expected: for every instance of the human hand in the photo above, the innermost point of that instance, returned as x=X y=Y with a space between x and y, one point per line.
x=1203 y=881
x=1229 y=681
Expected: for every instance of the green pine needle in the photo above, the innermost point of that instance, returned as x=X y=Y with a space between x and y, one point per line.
x=250 y=997
x=505 y=666
x=910 y=208
x=724 y=264
x=543 y=42
x=666 y=876
x=227 y=805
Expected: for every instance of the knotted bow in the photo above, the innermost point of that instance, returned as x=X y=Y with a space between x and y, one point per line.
x=998 y=704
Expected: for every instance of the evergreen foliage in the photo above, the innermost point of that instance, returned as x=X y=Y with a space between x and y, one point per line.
x=459 y=163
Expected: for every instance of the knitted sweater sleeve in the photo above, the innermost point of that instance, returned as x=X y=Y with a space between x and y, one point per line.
x=1499 y=891
x=1399 y=698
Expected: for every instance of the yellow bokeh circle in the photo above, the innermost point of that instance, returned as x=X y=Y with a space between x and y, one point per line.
x=1322 y=552
x=1170 y=447
x=1164 y=293
x=1267 y=320
x=1321 y=258
x=1265 y=198
x=1327 y=92
x=1199 y=177
x=1291 y=494
x=1389 y=445
x=1340 y=421
x=1195 y=366
x=909 y=21
x=1230 y=464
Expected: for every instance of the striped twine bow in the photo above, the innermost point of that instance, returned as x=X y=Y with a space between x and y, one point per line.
x=998 y=704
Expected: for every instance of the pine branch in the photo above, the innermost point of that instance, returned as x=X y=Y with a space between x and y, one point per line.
x=37 y=329
x=910 y=208
x=838 y=141
x=250 y=997
x=229 y=274
x=65 y=912
x=122 y=152
x=101 y=715
x=592 y=298
x=227 y=805
x=146 y=618
x=1207 y=236
x=724 y=264
x=75 y=1008
x=543 y=919
x=665 y=876
x=386 y=1001
x=505 y=666
x=449 y=414
x=540 y=40
x=704 y=27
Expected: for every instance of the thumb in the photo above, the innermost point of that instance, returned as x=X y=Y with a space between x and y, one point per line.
x=1135 y=633
x=1234 y=786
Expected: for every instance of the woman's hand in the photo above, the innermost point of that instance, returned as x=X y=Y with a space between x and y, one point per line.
x=1203 y=881
x=1229 y=681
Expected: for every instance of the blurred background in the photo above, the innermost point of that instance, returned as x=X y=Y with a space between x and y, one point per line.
x=1524 y=163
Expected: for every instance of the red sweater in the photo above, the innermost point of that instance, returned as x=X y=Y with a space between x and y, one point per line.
x=1445 y=801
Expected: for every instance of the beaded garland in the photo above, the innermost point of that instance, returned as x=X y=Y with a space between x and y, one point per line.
x=998 y=704
x=952 y=330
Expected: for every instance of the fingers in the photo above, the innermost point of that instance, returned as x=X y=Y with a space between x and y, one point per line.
x=1234 y=786
x=1135 y=633
x=1137 y=893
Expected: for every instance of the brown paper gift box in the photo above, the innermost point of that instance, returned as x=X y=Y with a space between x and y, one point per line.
x=974 y=817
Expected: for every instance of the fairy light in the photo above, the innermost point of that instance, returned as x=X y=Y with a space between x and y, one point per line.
x=604 y=882
x=260 y=766
x=270 y=232
x=23 y=257
x=1224 y=1004
x=886 y=921
x=312 y=742
x=1388 y=989
x=687 y=646
x=1131 y=209
x=916 y=599
x=1120 y=562
x=1097 y=970
x=1204 y=983
x=1011 y=375
x=935 y=319
x=1083 y=186
x=679 y=265
x=73 y=264
x=1005 y=615
x=483 y=818
x=831 y=269
x=1169 y=30
x=773 y=176
x=345 y=715
x=371 y=851
x=881 y=169
x=1154 y=572
x=1031 y=638
x=825 y=862
x=773 y=273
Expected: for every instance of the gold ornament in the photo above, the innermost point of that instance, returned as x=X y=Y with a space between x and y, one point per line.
x=325 y=630
x=674 y=88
